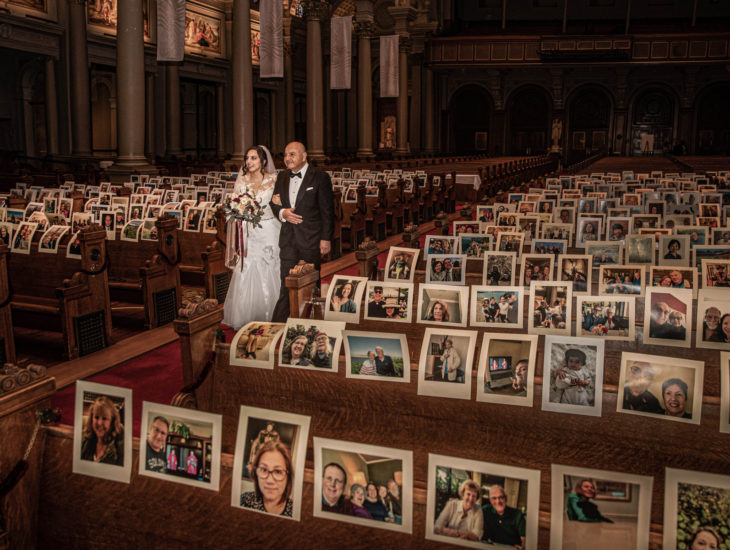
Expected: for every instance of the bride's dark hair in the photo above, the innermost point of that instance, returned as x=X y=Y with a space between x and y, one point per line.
x=262 y=157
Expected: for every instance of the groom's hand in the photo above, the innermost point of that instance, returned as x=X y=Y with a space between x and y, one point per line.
x=324 y=247
x=290 y=217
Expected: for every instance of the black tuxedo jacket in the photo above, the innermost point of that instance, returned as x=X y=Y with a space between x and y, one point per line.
x=314 y=203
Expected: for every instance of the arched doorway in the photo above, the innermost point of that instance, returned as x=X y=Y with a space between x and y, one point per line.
x=529 y=121
x=713 y=121
x=589 y=120
x=33 y=84
x=103 y=116
x=469 y=110
x=652 y=123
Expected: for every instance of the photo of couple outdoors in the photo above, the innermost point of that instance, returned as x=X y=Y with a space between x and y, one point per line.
x=280 y=220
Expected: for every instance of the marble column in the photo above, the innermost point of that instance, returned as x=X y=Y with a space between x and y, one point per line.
x=150 y=126
x=51 y=107
x=315 y=11
x=242 y=76
x=172 y=104
x=402 y=16
x=79 y=75
x=130 y=85
x=364 y=31
x=428 y=112
x=289 y=80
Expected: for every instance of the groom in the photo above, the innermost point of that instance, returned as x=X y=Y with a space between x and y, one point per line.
x=303 y=202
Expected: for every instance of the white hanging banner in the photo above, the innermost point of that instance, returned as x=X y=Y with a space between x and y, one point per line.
x=389 y=66
x=170 y=30
x=341 y=53
x=272 y=39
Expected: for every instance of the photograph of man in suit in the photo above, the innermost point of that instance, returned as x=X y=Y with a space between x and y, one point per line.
x=303 y=202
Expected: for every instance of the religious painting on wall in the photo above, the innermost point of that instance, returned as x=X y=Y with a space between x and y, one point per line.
x=255 y=38
x=42 y=8
x=203 y=32
x=101 y=17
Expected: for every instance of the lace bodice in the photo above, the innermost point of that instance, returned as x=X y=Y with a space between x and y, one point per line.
x=261 y=191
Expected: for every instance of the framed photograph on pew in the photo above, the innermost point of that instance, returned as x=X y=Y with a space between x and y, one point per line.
x=445 y=365
x=599 y=505
x=311 y=344
x=510 y=241
x=576 y=268
x=443 y=304
x=268 y=464
x=640 y=249
x=49 y=241
x=605 y=317
x=573 y=375
x=389 y=301
x=497 y=306
x=377 y=356
x=401 y=264
x=550 y=308
x=713 y=319
x=149 y=230
x=666 y=388
x=485 y=214
x=347 y=475
x=549 y=246
x=502 y=501
x=712 y=253
x=605 y=253
x=715 y=273
x=23 y=237
x=131 y=230
x=698 y=235
x=507 y=368
x=564 y=214
x=536 y=267
x=695 y=509
x=621 y=279
x=446 y=269
x=668 y=317
x=254 y=345
x=440 y=244
x=181 y=445
x=103 y=431
x=6 y=234
x=589 y=230
x=192 y=219
x=499 y=268
x=210 y=222
x=674 y=250
x=344 y=298
x=475 y=246
x=559 y=231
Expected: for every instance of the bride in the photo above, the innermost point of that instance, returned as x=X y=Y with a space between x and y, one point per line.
x=253 y=253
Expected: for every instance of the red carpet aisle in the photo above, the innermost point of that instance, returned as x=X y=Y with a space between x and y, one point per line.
x=155 y=376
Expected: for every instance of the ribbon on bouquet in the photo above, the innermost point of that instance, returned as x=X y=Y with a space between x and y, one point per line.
x=237 y=249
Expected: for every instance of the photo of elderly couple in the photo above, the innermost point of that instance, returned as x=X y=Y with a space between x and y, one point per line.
x=377 y=355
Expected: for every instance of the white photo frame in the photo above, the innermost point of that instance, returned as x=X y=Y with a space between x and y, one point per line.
x=447 y=269
x=299 y=345
x=664 y=276
x=621 y=280
x=713 y=305
x=541 y=261
x=281 y=428
x=674 y=250
x=443 y=370
x=565 y=388
x=627 y=505
x=394 y=305
x=605 y=252
x=670 y=305
x=517 y=477
x=454 y=304
x=618 y=325
x=507 y=313
x=394 y=366
x=511 y=383
x=543 y=297
x=640 y=249
x=115 y=464
x=201 y=425
x=687 y=482
x=332 y=451
x=254 y=345
x=499 y=268
x=641 y=378
x=578 y=269
x=440 y=244
x=344 y=308
x=401 y=264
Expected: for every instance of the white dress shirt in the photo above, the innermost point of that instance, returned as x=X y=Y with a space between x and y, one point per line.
x=294 y=185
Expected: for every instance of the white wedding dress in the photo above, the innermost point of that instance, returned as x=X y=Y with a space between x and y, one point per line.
x=254 y=290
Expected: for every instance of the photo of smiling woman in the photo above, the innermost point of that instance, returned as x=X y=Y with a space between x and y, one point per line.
x=272 y=475
x=103 y=435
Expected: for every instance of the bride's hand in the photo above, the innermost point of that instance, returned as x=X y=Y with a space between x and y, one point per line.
x=276 y=199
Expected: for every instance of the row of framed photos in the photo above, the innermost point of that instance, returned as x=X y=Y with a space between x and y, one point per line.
x=469 y=503
x=610 y=315
x=659 y=387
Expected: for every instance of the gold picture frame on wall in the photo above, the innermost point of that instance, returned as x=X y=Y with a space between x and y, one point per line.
x=101 y=18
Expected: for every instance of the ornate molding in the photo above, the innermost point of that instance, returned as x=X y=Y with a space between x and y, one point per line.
x=316 y=10
x=364 y=29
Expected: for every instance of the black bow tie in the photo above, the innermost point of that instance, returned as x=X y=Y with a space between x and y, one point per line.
x=296 y=175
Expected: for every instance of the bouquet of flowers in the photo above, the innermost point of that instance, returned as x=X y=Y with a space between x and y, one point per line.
x=243 y=207
x=599 y=330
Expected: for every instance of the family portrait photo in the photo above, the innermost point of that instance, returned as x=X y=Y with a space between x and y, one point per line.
x=499 y=306
x=363 y=484
x=605 y=317
x=549 y=308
